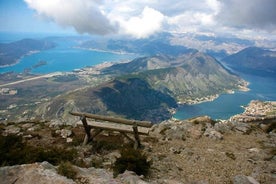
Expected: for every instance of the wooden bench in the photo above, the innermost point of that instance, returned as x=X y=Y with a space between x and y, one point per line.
x=123 y=126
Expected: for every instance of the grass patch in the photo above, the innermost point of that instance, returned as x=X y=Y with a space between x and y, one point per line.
x=66 y=169
x=131 y=160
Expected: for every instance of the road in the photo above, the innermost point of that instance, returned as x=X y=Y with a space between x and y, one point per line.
x=31 y=79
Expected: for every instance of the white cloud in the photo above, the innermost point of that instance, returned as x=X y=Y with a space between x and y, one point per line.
x=249 y=14
x=141 y=18
x=149 y=22
x=83 y=15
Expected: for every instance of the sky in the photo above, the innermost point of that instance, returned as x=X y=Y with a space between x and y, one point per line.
x=250 y=19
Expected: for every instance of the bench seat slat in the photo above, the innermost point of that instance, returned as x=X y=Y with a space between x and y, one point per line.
x=115 y=127
x=112 y=119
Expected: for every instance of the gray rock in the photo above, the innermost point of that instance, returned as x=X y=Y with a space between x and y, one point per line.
x=65 y=133
x=241 y=179
x=170 y=130
x=213 y=134
x=12 y=129
x=131 y=178
x=55 y=123
x=242 y=127
x=223 y=127
x=176 y=133
x=32 y=173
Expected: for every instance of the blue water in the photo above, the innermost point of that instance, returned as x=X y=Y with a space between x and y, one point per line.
x=63 y=58
x=67 y=58
x=227 y=105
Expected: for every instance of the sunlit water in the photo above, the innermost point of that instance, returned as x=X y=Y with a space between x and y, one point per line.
x=227 y=105
x=67 y=58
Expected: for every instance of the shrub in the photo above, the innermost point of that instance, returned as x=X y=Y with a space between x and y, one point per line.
x=67 y=169
x=11 y=147
x=131 y=160
x=13 y=150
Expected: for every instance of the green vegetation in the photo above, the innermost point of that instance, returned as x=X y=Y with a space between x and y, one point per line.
x=230 y=155
x=13 y=150
x=65 y=78
x=67 y=169
x=131 y=160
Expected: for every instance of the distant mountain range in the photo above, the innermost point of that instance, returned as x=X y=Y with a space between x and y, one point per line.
x=10 y=53
x=147 y=87
x=254 y=61
x=154 y=45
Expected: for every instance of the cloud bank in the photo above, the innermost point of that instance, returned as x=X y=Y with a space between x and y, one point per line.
x=83 y=15
x=251 y=14
x=142 y=18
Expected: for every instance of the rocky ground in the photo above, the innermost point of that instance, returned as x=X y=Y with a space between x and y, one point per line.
x=198 y=150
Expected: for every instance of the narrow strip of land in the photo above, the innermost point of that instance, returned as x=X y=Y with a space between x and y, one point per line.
x=31 y=79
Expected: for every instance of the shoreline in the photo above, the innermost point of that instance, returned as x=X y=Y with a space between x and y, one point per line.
x=101 y=50
x=17 y=61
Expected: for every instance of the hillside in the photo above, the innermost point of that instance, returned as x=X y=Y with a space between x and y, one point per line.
x=10 y=53
x=197 y=150
x=253 y=60
x=131 y=98
x=186 y=77
x=147 y=88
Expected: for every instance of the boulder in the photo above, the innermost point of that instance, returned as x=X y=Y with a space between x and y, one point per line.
x=32 y=173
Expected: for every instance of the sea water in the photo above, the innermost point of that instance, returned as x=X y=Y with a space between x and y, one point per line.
x=64 y=57
x=227 y=105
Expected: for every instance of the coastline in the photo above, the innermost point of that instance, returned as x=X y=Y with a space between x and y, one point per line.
x=17 y=61
x=101 y=50
x=243 y=86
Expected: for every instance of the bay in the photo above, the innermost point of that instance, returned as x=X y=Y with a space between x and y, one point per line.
x=64 y=57
x=227 y=105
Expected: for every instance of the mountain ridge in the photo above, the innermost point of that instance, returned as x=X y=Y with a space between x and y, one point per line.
x=253 y=60
x=11 y=52
x=148 y=88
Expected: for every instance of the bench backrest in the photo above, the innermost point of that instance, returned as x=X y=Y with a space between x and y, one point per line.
x=112 y=119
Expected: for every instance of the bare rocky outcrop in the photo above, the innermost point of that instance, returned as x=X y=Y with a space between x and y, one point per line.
x=45 y=173
x=32 y=173
x=197 y=150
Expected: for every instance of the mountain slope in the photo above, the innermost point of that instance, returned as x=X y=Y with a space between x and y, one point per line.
x=146 y=88
x=185 y=77
x=11 y=52
x=253 y=60
x=132 y=98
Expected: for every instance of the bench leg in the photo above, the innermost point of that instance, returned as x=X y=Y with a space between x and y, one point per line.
x=86 y=139
x=137 y=143
x=87 y=130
